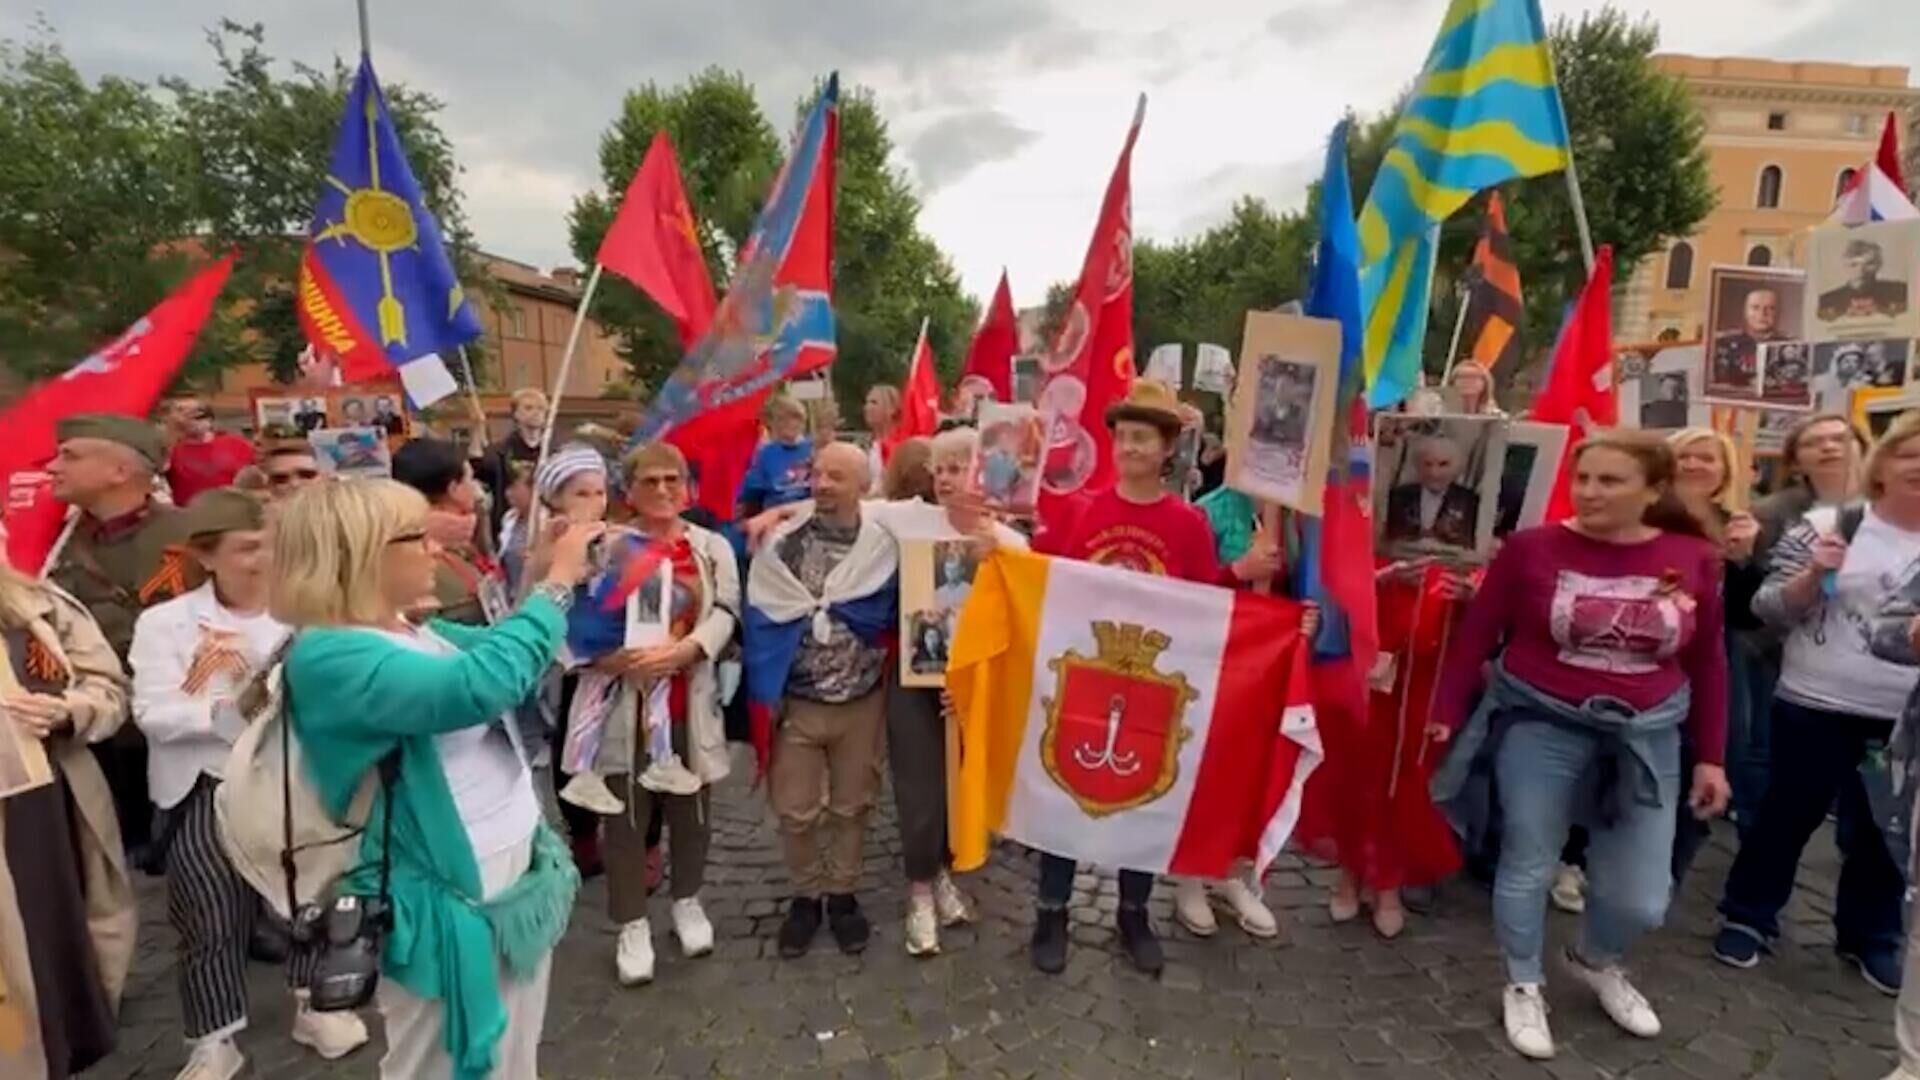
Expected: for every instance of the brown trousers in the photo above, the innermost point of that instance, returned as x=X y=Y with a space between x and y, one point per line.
x=837 y=748
x=625 y=844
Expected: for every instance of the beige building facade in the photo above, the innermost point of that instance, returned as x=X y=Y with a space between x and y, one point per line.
x=1782 y=138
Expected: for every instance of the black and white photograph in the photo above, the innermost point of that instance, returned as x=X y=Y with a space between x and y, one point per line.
x=1747 y=307
x=1282 y=410
x=1659 y=387
x=1786 y=375
x=1862 y=281
x=273 y=417
x=1531 y=463
x=936 y=577
x=1437 y=483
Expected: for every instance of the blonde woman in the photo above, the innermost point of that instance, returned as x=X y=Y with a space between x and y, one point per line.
x=481 y=888
x=1473 y=383
x=66 y=908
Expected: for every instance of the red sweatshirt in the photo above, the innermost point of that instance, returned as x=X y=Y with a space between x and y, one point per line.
x=1582 y=617
x=1168 y=537
x=196 y=467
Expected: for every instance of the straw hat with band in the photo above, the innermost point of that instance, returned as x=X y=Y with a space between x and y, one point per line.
x=1150 y=401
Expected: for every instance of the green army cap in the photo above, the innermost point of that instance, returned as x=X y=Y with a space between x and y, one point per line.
x=136 y=435
x=224 y=510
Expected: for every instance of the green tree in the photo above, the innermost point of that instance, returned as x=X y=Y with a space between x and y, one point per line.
x=887 y=273
x=110 y=192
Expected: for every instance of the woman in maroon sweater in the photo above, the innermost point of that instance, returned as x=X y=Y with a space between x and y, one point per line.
x=1612 y=629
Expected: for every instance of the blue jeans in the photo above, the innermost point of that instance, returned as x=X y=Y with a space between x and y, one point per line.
x=1546 y=771
x=1752 y=672
x=1824 y=750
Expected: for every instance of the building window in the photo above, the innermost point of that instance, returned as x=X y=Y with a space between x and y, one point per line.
x=1768 y=197
x=1856 y=123
x=1842 y=182
x=1760 y=255
x=517 y=319
x=1776 y=121
x=1680 y=266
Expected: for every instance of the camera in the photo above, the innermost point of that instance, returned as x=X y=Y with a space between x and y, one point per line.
x=348 y=934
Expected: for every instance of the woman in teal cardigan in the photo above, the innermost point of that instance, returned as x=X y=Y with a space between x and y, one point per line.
x=481 y=889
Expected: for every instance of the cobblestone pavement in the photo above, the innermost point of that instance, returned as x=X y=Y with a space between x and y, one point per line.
x=1324 y=1002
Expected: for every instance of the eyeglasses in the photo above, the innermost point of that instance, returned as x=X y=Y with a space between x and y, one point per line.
x=668 y=481
x=284 y=478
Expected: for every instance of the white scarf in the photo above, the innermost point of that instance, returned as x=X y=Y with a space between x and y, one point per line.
x=777 y=592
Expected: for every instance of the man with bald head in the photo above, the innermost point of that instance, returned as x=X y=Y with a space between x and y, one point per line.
x=124 y=556
x=1436 y=507
x=820 y=603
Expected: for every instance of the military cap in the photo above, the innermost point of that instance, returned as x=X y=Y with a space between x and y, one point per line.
x=136 y=435
x=224 y=510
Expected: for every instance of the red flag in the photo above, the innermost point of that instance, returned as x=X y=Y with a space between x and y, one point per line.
x=1887 y=158
x=1090 y=365
x=127 y=377
x=990 y=358
x=919 y=399
x=652 y=243
x=1580 y=390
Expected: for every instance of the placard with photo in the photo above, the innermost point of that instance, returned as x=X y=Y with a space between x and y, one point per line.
x=1786 y=375
x=1862 y=281
x=1008 y=467
x=1747 y=307
x=352 y=451
x=1659 y=387
x=1436 y=485
x=1530 y=467
x=1280 y=424
x=936 y=577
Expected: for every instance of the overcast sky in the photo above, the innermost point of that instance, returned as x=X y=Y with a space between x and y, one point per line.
x=1007 y=114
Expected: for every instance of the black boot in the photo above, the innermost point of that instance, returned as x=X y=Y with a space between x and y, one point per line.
x=1137 y=937
x=848 y=923
x=1050 y=940
x=803 y=921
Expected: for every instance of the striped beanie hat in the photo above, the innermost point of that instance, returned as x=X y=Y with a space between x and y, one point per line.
x=563 y=465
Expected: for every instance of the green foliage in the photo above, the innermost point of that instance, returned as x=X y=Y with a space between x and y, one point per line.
x=101 y=183
x=888 y=274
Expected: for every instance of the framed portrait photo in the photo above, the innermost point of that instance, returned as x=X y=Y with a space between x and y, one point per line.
x=936 y=577
x=1280 y=424
x=1659 y=387
x=1862 y=281
x=1786 y=375
x=360 y=451
x=273 y=417
x=1747 y=307
x=1529 y=467
x=1436 y=485
x=1008 y=467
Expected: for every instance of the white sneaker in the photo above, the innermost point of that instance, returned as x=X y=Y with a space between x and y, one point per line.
x=634 y=956
x=1526 y=1015
x=1191 y=907
x=332 y=1035
x=589 y=791
x=1252 y=911
x=213 y=1059
x=690 y=925
x=669 y=777
x=1569 y=891
x=1626 y=1005
x=923 y=927
x=949 y=902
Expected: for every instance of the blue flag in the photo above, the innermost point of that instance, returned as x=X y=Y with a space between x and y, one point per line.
x=376 y=286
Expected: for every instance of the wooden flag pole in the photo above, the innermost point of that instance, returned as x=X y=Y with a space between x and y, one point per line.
x=1573 y=173
x=566 y=362
x=473 y=396
x=1463 y=293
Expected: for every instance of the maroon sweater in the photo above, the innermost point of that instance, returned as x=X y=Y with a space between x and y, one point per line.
x=1582 y=617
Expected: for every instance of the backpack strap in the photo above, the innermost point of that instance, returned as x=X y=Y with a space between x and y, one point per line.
x=1849 y=519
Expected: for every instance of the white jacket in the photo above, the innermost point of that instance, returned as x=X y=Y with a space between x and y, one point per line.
x=189 y=734
x=713 y=630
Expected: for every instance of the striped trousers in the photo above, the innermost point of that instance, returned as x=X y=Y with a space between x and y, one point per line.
x=212 y=909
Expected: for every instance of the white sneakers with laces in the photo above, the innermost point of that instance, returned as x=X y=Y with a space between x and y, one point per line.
x=1526 y=1018
x=949 y=902
x=1193 y=909
x=633 y=957
x=923 y=926
x=690 y=925
x=1626 y=1005
x=213 y=1059
x=332 y=1035
x=589 y=791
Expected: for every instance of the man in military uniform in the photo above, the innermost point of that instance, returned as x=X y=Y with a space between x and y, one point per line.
x=123 y=556
x=1864 y=296
x=1736 y=353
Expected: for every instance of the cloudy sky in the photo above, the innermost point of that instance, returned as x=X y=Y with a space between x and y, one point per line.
x=1007 y=114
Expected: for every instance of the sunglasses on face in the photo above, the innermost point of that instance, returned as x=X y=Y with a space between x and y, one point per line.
x=292 y=475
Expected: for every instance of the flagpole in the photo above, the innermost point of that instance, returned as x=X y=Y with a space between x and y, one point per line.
x=473 y=395
x=1572 y=171
x=566 y=361
x=1463 y=293
x=366 y=34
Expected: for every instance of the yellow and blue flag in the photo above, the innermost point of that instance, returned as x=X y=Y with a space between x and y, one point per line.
x=376 y=286
x=1485 y=110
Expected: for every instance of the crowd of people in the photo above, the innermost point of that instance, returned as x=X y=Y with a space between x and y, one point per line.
x=442 y=645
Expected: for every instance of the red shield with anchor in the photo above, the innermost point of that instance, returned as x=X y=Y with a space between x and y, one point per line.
x=1114 y=722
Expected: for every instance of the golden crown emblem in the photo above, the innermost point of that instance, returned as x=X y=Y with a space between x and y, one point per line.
x=1129 y=649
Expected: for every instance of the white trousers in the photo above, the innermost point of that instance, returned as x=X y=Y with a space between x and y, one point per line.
x=414 y=1047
